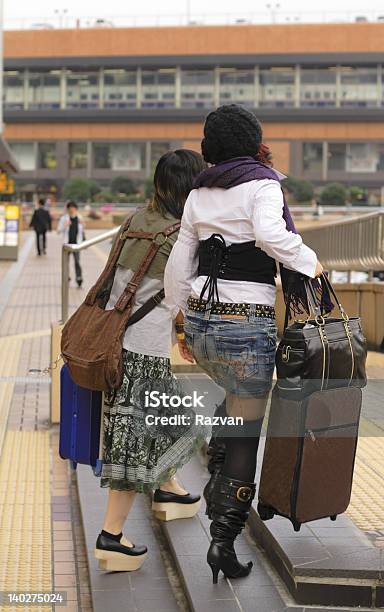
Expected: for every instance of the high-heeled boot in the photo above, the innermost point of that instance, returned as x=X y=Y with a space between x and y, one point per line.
x=231 y=501
x=216 y=454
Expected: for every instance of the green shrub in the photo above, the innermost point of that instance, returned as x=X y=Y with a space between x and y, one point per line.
x=301 y=190
x=123 y=184
x=334 y=194
x=80 y=189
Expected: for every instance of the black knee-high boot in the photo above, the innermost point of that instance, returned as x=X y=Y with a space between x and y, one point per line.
x=216 y=454
x=231 y=501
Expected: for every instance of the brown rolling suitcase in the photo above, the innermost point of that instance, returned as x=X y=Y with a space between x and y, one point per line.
x=309 y=455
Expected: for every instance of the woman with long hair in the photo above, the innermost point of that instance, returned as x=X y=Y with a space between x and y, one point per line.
x=141 y=455
x=221 y=273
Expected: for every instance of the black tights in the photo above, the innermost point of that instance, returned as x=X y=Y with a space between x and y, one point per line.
x=241 y=451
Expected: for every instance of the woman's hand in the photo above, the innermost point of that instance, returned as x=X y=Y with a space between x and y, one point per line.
x=184 y=351
x=319 y=270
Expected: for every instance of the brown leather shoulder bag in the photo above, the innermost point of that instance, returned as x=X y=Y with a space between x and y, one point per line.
x=92 y=339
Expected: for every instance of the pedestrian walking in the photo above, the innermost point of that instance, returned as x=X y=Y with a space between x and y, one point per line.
x=71 y=227
x=141 y=455
x=221 y=273
x=42 y=223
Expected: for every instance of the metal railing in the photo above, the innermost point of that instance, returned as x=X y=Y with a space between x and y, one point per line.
x=345 y=245
x=65 y=254
x=349 y=244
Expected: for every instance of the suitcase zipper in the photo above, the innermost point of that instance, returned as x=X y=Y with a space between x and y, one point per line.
x=286 y=350
x=311 y=432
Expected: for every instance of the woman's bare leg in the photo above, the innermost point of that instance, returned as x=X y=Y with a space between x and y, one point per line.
x=118 y=508
x=249 y=408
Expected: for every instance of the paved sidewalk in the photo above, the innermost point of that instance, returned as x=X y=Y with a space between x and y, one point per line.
x=42 y=546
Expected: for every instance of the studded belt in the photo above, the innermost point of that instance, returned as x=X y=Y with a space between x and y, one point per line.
x=229 y=308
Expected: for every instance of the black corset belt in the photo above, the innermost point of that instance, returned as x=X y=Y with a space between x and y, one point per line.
x=241 y=261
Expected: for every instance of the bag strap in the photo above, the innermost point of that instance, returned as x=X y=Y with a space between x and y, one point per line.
x=158 y=240
x=326 y=283
x=312 y=300
x=149 y=305
x=111 y=263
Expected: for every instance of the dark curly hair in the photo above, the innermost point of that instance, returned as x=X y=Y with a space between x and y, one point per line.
x=231 y=131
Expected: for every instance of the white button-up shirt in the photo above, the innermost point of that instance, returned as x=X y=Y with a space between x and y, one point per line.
x=250 y=211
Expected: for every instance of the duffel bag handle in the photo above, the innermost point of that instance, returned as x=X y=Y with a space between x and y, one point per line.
x=326 y=284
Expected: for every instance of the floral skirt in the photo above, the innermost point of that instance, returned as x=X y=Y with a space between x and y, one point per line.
x=138 y=453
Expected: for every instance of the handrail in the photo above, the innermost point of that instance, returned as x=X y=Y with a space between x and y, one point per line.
x=76 y=248
x=349 y=244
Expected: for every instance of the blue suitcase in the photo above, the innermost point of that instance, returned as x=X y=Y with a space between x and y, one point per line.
x=80 y=423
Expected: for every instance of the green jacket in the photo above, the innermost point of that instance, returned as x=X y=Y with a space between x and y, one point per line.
x=134 y=249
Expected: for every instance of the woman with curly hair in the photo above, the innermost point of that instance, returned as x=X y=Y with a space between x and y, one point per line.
x=221 y=273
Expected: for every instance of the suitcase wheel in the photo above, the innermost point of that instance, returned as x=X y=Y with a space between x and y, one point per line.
x=73 y=465
x=333 y=517
x=265 y=513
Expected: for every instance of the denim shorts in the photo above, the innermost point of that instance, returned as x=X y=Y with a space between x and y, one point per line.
x=238 y=353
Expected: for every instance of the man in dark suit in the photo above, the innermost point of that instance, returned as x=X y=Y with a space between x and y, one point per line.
x=41 y=222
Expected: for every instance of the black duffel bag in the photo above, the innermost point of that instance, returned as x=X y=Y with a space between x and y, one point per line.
x=322 y=352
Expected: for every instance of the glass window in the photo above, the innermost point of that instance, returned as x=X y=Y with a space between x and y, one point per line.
x=337 y=153
x=318 y=87
x=313 y=156
x=362 y=157
x=358 y=86
x=25 y=154
x=82 y=89
x=197 y=88
x=237 y=86
x=120 y=88
x=277 y=87
x=47 y=155
x=157 y=150
x=119 y=156
x=158 y=88
x=13 y=92
x=44 y=89
x=78 y=155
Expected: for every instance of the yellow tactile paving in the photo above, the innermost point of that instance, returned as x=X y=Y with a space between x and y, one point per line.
x=10 y=349
x=25 y=514
x=367 y=503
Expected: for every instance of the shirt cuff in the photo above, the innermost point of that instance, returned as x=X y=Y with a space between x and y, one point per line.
x=305 y=261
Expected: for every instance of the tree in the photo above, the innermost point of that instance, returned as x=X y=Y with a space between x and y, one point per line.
x=301 y=190
x=80 y=189
x=149 y=188
x=334 y=194
x=123 y=184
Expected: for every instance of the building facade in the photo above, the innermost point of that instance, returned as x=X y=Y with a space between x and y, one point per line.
x=106 y=102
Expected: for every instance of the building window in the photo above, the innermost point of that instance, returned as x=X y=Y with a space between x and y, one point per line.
x=44 y=89
x=337 y=153
x=237 y=86
x=119 y=156
x=82 y=89
x=25 y=155
x=318 y=87
x=313 y=157
x=158 y=88
x=197 y=88
x=13 y=93
x=358 y=86
x=157 y=150
x=363 y=157
x=78 y=155
x=277 y=87
x=120 y=88
x=47 y=155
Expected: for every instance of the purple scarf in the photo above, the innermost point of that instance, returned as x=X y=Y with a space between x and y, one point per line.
x=240 y=170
